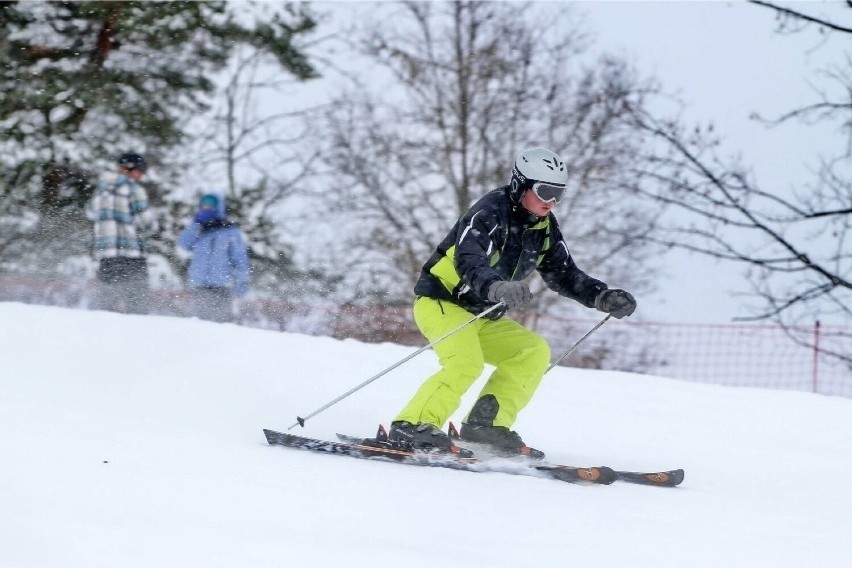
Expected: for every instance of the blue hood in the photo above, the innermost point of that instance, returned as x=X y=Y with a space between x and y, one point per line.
x=220 y=202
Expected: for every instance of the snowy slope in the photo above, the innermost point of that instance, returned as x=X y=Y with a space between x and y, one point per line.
x=136 y=441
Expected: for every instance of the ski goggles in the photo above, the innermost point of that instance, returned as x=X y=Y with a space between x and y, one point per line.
x=548 y=191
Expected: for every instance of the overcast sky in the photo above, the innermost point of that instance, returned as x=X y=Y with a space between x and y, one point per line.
x=725 y=61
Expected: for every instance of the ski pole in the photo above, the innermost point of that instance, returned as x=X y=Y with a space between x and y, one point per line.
x=301 y=421
x=581 y=340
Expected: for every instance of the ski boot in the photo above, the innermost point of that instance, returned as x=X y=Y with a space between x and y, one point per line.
x=479 y=428
x=425 y=438
x=500 y=438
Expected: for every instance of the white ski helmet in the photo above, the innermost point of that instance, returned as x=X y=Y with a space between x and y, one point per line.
x=537 y=165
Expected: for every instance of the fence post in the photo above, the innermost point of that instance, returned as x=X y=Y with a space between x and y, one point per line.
x=816 y=358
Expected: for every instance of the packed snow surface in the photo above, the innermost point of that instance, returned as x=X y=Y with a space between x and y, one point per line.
x=136 y=441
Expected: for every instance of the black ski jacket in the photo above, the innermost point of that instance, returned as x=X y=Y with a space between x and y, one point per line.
x=497 y=239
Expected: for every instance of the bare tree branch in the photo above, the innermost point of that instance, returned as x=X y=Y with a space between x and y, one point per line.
x=472 y=84
x=803 y=16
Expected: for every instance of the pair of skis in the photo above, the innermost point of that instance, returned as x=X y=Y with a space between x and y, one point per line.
x=380 y=448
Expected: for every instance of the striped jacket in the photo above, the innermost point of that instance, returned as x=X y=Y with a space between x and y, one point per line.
x=119 y=208
x=497 y=239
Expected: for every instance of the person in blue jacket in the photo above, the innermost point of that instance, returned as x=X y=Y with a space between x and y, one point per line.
x=219 y=268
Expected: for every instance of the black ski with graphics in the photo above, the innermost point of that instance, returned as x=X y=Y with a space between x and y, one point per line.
x=599 y=474
x=381 y=449
x=671 y=478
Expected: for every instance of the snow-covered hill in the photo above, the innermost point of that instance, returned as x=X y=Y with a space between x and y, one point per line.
x=136 y=441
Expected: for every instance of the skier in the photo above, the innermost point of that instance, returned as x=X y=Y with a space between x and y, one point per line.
x=483 y=261
x=219 y=268
x=119 y=209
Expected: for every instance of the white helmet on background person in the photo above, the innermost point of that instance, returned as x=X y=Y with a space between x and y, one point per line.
x=542 y=171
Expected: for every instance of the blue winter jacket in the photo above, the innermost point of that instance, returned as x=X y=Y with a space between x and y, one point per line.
x=219 y=256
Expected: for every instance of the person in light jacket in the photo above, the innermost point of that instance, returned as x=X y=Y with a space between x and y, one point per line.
x=122 y=220
x=219 y=267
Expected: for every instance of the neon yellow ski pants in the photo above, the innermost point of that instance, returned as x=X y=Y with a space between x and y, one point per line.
x=520 y=356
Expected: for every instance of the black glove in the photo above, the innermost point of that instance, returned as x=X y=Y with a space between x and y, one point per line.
x=616 y=302
x=513 y=294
